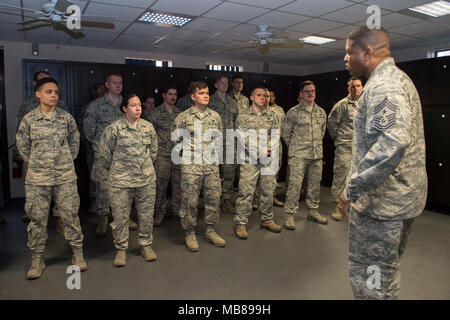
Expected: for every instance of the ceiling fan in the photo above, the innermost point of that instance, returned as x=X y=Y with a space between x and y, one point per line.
x=263 y=40
x=55 y=14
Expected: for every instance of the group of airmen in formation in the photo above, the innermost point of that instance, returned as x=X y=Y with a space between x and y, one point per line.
x=378 y=167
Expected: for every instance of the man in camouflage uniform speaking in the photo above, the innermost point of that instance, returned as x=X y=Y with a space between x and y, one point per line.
x=303 y=131
x=100 y=114
x=127 y=150
x=387 y=183
x=258 y=121
x=163 y=119
x=199 y=167
x=48 y=140
x=340 y=127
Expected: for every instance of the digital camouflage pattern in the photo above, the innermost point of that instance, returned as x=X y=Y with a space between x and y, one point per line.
x=242 y=102
x=387 y=183
x=185 y=102
x=195 y=177
x=341 y=167
x=250 y=173
x=49 y=143
x=166 y=171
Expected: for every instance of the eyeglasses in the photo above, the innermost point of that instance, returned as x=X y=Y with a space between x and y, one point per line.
x=309 y=91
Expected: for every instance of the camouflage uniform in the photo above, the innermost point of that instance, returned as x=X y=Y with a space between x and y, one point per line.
x=194 y=177
x=185 y=102
x=89 y=151
x=166 y=171
x=100 y=113
x=228 y=112
x=340 y=127
x=49 y=143
x=303 y=130
x=147 y=115
x=387 y=183
x=251 y=173
x=243 y=104
x=126 y=155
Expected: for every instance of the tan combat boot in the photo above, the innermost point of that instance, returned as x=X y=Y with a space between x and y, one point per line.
x=37 y=266
x=277 y=203
x=315 y=216
x=214 y=238
x=78 y=259
x=60 y=226
x=228 y=207
x=289 y=222
x=270 y=225
x=120 y=260
x=157 y=220
x=241 y=231
x=148 y=253
x=336 y=215
x=191 y=241
x=132 y=225
x=102 y=226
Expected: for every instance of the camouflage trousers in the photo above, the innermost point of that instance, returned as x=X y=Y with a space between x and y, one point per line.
x=341 y=167
x=249 y=176
x=192 y=184
x=298 y=168
x=228 y=176
x=257 y=192
x=37 y=202
x=167 y=172
x=376 y=245
x=144 y=202
x=101 y=198
x=90 y=163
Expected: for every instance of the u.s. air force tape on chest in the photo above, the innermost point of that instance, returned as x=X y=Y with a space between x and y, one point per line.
x=384 y=115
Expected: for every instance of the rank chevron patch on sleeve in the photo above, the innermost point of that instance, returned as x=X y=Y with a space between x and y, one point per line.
x=384 y=115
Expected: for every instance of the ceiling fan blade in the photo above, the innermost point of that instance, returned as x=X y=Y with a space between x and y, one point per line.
x=33 y=20
x=62 y=5
x=281 y=35
x=35 y=27
x=263 y=49
x=97 y=24
x=241 y=40
x=236 y=48
x=288 y=45
x=75 y=35
x=14 y=7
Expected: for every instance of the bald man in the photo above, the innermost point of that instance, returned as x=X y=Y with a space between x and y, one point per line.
x=387 y=184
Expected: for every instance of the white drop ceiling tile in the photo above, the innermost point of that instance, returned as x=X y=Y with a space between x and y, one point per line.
x=100 y=35
x=418 y=28
x=189 y=35
x=235 y=12
x=132 y=3
x=396 y=5
x=404 y=42
x=351 y=14
x=175 y=43
x=118 y=28
x=320 y=50
x=37 y=4
x=11 y=17
x=208 y=25
x=62 y=40
x=339 y=33
x=315 y=8
x=279 y=19
x=7 y=27
x=118 y=13
x=193 y=8
x=316 y=26
x=442 y=20
x=139 y=28
x=86 y=42
x=270 y=4
x=394 y=20
x=134 y=40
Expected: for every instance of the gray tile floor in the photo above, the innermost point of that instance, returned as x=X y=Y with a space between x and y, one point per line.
x=308 y=263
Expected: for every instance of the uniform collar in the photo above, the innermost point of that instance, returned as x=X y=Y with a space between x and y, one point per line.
x=40 y=115
x=305 y=107
x=264 y=111
x=164 y=109
x=107 y=100
x=125 y=124
x=385 y=63
x=194 y=111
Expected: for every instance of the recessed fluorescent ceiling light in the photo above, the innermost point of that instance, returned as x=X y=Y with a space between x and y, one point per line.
x=155 y=17
x=316 y=40
x=434 y=9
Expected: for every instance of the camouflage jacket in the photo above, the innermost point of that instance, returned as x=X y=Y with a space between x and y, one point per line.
x=303 y=131
x=163 y=122
x=185 y=102
x=146 y=114
x=32 y=102
x=49 y=144
x=340 y=121
x=242 y=103
x=266 y=120
x=209 y=119
x=387 y=179
x=126 y=154
x=280 y=113
x=100 y=113
x=226 y=109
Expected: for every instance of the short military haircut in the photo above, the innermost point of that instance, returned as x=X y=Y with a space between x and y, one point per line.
x=197 y=85
x=304 y=84
x=166 y=89
x=236 y=76
x=126 y=99
x=113 y=74
x=220 y=76
x=354 y=79
x=363 y=37
x=43 y=81
x=256 y=88
x=36 y=74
